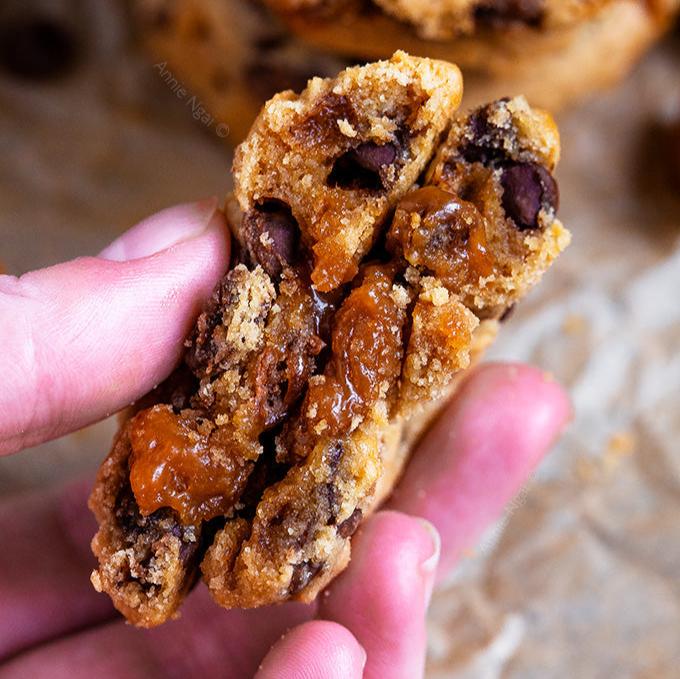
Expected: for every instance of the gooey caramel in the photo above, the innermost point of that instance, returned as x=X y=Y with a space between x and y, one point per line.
x=176 y=463
x=436 y=230
x=366 y=354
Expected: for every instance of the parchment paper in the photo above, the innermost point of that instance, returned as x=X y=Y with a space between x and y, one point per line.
x=582 y=578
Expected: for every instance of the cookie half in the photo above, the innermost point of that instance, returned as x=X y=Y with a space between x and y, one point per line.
x=445 y=19
x=299 y=401
x=576 y=48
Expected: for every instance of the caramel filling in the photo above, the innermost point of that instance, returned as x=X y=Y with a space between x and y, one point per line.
x=436 y=230
x=175 y=464
x=201 y=471
x=366 y=355
x=324 y=364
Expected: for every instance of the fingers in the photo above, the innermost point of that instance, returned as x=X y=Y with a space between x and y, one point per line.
x=46 y=593
x=45 y=565
x=89 y=336
x=481 y=451
x=315 y=649
x=383 y=596
x=205 y=642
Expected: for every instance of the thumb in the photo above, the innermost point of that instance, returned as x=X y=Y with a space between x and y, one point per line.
x=163 y=230
x=88 y=337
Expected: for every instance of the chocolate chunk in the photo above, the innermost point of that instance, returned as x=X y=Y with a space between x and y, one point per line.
x=348 y=526
x=502 y=12
x=202 y=358
x=485 y=141
x=143 y=532
x=37 y=48
x=271 y=234
x=478 y=124
x=528 y=187
x=302 y=574
x=373 y=157
x=363 y=167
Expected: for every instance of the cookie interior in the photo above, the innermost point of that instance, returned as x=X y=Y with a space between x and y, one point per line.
x=261 y=456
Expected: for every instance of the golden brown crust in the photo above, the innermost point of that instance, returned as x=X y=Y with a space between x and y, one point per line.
x=317 y=398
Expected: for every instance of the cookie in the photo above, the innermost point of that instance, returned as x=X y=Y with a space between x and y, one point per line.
x=313 y=370
x=232 y=55
x=553 y=62
x=437 y=20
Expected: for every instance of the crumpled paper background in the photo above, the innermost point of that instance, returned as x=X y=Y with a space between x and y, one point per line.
x=581 y=578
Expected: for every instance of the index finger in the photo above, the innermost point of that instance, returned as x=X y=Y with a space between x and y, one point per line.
x=481 y=451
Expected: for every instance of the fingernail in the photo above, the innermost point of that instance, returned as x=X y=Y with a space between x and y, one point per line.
x=428 y=568
x=164 y=229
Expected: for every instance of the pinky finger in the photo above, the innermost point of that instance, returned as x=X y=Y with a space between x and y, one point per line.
x=315 y=649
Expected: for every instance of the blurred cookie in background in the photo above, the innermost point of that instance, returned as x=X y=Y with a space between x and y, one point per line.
x=232 y=54
x=553 y=52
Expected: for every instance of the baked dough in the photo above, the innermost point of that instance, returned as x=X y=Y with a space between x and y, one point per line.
x=379 y=239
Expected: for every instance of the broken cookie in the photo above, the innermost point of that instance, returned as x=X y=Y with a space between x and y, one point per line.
x=379 y=238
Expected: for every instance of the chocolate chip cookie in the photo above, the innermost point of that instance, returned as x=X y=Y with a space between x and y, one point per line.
x=379 y=237
x=441 y=20
x=553 y=52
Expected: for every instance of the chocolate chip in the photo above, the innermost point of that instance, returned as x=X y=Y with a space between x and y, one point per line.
x=478 y=123
x=373 y=157
x=37 y=48
x=485 y=141
x=528 y=187
x=302 y=574
x=348 y=526
x=272 y=234
x=187 y=551
x=363 y=167
x=503 y=12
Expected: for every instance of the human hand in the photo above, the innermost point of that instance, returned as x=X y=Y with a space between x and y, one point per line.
x=84 y=339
